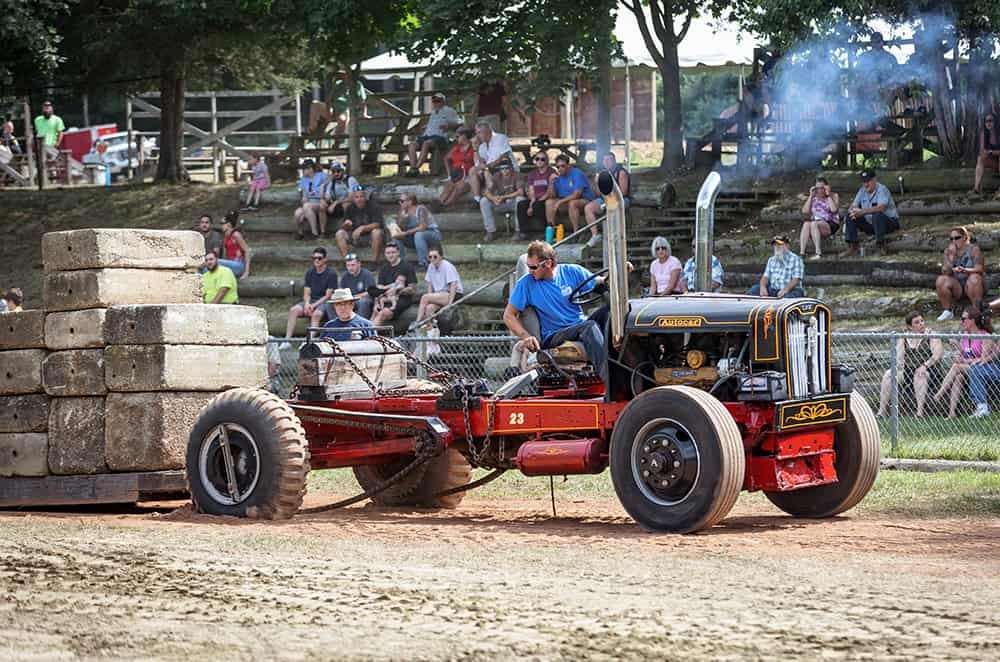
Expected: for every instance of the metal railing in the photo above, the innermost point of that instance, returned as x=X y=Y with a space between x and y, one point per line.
x=920 y=413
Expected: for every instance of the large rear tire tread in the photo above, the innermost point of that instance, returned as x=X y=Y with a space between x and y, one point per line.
x=283 y=439
x=721 y=456
x=858 y=447
x=417 y=490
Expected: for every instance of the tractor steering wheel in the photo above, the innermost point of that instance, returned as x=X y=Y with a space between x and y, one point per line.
x=578 y=298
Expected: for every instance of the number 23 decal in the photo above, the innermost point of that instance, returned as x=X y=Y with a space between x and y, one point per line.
x=516 y=418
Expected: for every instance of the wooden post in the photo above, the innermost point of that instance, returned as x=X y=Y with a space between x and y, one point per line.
x=128 y=128
x=298 y=115
x=86 y=109
x=43 y=166
x=218 y=176
x=141 y=157
x=29 y=139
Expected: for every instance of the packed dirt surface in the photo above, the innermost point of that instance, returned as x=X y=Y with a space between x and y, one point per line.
x=494 y=579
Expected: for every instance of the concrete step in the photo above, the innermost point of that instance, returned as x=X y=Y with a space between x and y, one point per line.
x=283 y=223
x=299 y=253
x=257 y=287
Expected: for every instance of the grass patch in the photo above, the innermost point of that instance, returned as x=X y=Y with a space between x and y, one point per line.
x=936 y=437
x=911 y=494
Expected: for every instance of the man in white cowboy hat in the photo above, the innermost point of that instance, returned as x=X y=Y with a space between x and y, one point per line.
x=346 y=325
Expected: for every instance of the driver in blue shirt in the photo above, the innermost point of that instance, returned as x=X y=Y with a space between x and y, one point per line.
x=547 y=287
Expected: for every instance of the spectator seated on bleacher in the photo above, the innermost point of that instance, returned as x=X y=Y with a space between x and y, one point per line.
x=570 y=191
x=260 y=179
x=664 y=271
x=618 y=171
x=336 y=195
x=7 y=138
x=311 y=186
x=872 y=212
x=415 y=228
x=537 y=188
x=395 y=286
x=345 y=324
x=970 y=351
x=444 y=285
x=364 y=224
x=317 y=287
x=783 y=274
x=493 y=152
x=218 y=283
x=822 y=210
x=235 y=250
x=920 y=372
x=358 y=280
x=989 y=151
x=962 y=273
x=213 y=237
x=501 y=196
x=689 y=278
x=443 y=119
x=461 y=161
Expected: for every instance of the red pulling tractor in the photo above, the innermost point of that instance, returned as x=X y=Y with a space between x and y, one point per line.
x=706 y=395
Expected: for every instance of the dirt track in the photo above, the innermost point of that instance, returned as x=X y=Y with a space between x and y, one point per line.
x=495 y=580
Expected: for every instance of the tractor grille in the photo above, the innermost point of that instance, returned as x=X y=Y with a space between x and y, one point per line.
x=808 y=354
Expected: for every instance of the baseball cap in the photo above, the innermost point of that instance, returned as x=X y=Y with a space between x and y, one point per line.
x=350 y=256
x=780 y=239
x=437 y=96
x=867 y=173
x=336 y=165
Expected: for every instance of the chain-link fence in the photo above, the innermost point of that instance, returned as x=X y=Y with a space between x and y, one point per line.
x=925 y=388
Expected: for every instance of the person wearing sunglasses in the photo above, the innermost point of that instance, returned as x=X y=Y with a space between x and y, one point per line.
x=989 y=152
x=502 y=196
x=318 y=285
x=538 y=188
x=664 y=271
x=962 y=273
x=417 y=227
x=970 y=351
x=570 y=191
x=444 y=285
x=546 y=289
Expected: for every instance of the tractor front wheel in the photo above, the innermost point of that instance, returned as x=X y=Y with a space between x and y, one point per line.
x=447 y=470
x=857 y=445
x=247 y=456
x=677 y=459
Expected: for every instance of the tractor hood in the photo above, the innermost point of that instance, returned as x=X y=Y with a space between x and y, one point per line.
x=714 y=312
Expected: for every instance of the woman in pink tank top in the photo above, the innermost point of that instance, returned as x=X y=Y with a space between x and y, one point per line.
x=970 y=350
x=822 y=211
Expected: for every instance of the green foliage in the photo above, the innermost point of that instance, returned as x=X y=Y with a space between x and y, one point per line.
x=703 y=97
x=538 y=46
x=29 y=41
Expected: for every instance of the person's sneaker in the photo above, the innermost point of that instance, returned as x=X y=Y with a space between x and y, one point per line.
x=853 y=250
x=285 y=345
x=252 y=208
x=412 y=172
x=488 y=237
x=945 y=316
x=518 y=236
x=594 y=241
x=477 y=198
x=982 y=410
x=816 y=256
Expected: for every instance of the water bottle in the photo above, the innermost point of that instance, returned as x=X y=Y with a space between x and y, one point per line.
x=560 y=233
x=550 y=233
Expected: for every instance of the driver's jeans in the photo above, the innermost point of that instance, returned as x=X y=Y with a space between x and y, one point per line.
x=589 y=333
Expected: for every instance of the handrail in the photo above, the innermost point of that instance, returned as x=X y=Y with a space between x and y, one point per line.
x=468 y=297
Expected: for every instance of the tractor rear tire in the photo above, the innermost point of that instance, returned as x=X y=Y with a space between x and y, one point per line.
x=677 y=459
x=264 y=475
x=858 y=446
x=417 y=489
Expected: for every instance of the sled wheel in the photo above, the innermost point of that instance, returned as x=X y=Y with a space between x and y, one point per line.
x=448 y=470
x=247 y=456
x=677 y=459
x=857 y=444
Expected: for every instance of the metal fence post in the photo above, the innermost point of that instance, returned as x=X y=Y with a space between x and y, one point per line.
x=421 y=353
x=894 y=381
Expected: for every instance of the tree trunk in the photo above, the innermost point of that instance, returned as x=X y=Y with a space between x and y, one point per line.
x=354 y=111
x=170 y=167
x=604 y=133
x=673 y=136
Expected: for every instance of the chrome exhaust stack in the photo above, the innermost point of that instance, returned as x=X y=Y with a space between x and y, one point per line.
x=616 y=258
x=704 y=231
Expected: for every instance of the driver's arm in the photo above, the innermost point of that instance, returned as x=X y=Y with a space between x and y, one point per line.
x=512 y=318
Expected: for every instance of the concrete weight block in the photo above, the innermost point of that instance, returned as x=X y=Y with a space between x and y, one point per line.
x=24 y=454
x=76 y=329
x=21 y=371
x=186 y=324
x=74 y=372
x=149 y=431
x=76 y=436
x=101 y=288
x=138 y=368
x=22 y=330
x=95 y=248
x=24 y=413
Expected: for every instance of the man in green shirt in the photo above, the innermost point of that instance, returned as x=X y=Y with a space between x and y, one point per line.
x=49 y=126
x=218 y=283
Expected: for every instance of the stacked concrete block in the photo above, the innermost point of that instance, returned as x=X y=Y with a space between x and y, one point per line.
x=162 y=364
x=23 y=403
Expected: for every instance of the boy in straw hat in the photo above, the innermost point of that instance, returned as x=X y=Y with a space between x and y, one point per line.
x=346 y=325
